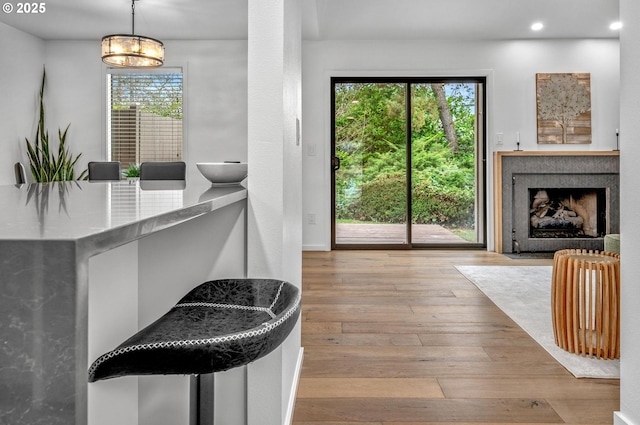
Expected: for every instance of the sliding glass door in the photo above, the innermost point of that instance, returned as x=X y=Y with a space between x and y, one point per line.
x=370 y=134
x=408 y=165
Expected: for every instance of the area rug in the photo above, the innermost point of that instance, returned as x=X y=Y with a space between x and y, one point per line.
x=524 y=294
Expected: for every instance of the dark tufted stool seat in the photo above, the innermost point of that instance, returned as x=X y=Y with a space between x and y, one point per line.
x=217 y=326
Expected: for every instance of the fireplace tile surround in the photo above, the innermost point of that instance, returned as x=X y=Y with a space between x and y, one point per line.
x=517 y=172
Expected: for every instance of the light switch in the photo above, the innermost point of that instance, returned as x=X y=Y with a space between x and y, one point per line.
x=499 y=139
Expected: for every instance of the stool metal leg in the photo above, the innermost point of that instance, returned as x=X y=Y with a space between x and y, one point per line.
x=201 y=399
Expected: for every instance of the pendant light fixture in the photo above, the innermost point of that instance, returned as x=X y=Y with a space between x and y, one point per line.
x=132 y=51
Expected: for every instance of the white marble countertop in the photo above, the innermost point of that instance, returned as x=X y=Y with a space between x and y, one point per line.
x=83 y=211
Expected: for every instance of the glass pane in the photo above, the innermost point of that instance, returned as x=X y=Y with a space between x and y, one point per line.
x=370 y=141
x=443 y=152
x=145 y=117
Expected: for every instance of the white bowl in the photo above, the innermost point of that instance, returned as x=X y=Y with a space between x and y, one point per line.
x=223 y=173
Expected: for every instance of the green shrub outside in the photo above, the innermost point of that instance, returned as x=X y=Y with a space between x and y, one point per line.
x=383 y=199
x=452 y=207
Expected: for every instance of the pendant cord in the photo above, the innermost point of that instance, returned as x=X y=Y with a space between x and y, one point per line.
x=133 y=17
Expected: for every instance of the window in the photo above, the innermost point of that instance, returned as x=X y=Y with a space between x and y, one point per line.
x=144 y=121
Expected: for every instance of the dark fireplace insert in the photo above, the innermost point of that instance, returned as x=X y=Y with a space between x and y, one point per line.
x=567 y=212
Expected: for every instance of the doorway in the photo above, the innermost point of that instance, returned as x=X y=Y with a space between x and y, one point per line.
x=408 y=161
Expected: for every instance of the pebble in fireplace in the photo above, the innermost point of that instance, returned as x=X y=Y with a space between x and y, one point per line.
x=566 y=213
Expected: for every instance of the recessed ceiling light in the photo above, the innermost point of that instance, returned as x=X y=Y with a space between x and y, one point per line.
x=537 y=26
x=615 y=25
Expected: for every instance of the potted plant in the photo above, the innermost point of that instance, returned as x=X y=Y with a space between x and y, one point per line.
x=45 y=165
x=132 y=173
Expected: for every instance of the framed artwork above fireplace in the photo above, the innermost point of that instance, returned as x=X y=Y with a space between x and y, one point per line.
x=563 y=107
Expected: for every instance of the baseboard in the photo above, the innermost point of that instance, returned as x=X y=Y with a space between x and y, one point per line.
x=315 y=248
x=294 y=389
x=619 y=419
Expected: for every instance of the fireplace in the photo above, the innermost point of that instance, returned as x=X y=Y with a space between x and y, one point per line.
x=567 y=213
x=550 y=201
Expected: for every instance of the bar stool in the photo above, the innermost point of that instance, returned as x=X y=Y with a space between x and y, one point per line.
x=21 y=175
x=217 y=326
x=104 y=170
x=172 y=170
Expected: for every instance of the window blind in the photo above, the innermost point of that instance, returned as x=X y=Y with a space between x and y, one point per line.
x=145 y=116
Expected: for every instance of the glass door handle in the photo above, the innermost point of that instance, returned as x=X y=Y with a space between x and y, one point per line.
x=335 y=163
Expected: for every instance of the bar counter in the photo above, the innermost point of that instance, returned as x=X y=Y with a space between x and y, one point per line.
x=85 y=264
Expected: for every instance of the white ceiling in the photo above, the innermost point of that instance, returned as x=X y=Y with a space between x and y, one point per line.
x=325 y=19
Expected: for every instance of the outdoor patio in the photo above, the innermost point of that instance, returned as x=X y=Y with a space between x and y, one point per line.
x=358 y=233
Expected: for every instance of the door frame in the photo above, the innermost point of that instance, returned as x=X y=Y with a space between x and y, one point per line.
x=480 y=161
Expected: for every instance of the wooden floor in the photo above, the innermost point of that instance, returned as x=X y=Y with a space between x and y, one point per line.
x=402 y=338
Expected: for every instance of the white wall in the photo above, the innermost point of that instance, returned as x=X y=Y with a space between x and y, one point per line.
x=215 y=97
x=21 y=65
x=74 y=97
x=510 y=68
x=274 y=223
x=630 y=202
